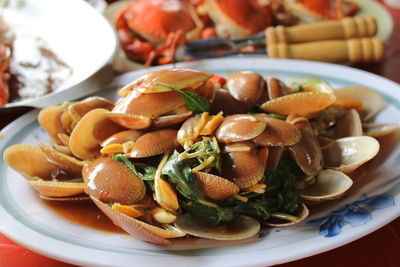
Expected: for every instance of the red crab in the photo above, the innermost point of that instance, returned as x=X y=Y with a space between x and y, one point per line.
x=5 y=58
x=150 y=30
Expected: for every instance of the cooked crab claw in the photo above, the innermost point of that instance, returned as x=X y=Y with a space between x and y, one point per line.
x=329 y=184
x=154 y=143
x=244 y=227
x=215 y=187
x=240 y=127
x=307 y=152
x=32 y=163
x=349 y=153
x=90 y=132
x=111 y=181
x=137 y=228
x=284 y=220
x=372 y=102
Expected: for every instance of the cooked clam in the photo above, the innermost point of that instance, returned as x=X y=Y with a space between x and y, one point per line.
x=347 y=154
x=330 y=184
x=244 y=227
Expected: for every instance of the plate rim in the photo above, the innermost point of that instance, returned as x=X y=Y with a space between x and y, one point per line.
x=297 y=255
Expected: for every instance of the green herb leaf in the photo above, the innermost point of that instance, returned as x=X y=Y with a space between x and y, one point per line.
x=196 y=103
x=146 y=173
x=213 y=215
x=277 y=116
x=181 y=175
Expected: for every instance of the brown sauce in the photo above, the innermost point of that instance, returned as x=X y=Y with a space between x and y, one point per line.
x=84 y=213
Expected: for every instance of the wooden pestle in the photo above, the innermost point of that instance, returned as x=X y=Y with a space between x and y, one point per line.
x=347 y=28
x=357 y=50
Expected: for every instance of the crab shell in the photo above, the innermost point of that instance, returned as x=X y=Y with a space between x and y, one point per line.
x=238 y=19
x=154 y=20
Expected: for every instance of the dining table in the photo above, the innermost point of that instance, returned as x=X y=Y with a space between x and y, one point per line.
x=380 y=248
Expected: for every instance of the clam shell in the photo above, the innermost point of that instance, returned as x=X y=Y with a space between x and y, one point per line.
x=78 y=110
x=58 y=189
x=240 y=127
x=111 y=181
x=245 y=86
x=122 y=137
x=243 y=168
x=154 y=143
x=330 y=184
x=276 y=88
x=76 y=198
x=179 y=78
x=302 y=214
x=378 y=130
x=307 y=152
x=63 y=161
x=277 y=133
x=347 y=154
x=50 y=119
x=372 y=102
x=30 y=161
x=305 y=104
x=137 y=228
x=349 y=125
x=169 y=120
x=215 y=187
x=90 y=131
x=245 y=227
x=226 y=103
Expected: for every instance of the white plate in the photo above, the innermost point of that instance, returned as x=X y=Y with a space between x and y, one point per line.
x=78 y=34
x=373 y=204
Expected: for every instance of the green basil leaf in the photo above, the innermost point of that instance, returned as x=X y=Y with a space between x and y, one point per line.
x=195 y=102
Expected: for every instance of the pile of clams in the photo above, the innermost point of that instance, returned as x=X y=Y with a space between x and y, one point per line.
x=185 y=152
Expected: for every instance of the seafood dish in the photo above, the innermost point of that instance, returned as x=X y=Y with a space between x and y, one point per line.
x=150 y=31
x=184 y=152
x=28 y=67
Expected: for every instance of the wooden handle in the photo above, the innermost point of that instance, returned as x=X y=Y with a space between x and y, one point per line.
x=361 y=50
x=347 y=28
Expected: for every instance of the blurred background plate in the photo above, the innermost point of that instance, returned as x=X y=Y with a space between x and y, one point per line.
x=78 y=34
x=367 y=8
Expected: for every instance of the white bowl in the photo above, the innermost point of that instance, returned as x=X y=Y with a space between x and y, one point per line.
x=77 y=34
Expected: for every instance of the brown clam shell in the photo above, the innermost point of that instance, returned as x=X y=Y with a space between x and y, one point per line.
x=277 y=133
x=215 y=187
x=245 y=86
x=50 y=119
x=305 y=104
x=111 y=181
x=122 y=137
x=90 y=131
x=243 y=168
x=137 y=228
x=307 y=152
x=240 y=127
x=154 y=143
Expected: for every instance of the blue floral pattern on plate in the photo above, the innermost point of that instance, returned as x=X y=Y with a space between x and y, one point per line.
x=353 y=213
